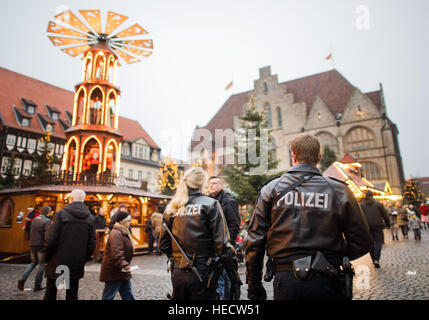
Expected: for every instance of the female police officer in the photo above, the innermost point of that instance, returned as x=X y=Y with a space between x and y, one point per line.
x=199 y=239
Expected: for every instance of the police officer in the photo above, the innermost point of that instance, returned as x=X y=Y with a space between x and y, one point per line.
x=198 y=243
x=308 y=223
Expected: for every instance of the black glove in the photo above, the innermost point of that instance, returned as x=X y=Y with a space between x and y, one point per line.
x=256 y=291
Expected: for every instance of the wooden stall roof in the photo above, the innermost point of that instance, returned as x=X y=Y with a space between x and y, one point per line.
x=87 y=189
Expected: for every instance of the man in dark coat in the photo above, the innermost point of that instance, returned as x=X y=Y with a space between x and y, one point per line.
x=70 y=242
x=232 y=216
x=375 y=214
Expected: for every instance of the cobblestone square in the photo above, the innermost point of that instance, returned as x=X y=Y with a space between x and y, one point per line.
x=404 y=275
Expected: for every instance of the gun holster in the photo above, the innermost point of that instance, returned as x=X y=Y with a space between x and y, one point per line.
x=184 y=263
x=321 y=265
x=347 y=274
x=269 y=273
x=302 y=268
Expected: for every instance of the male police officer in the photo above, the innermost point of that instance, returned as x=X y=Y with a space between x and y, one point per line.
x=308 y=223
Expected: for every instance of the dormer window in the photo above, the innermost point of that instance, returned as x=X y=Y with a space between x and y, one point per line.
x=29 y=106
x=63 y=125
x=25 y=122
x=69 y=116
x=49 y=127
x=23 y=119
x=55 y=116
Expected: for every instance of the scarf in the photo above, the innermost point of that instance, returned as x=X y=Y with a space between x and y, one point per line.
x=125 y=230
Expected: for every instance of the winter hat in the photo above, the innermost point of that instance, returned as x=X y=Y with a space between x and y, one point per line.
x=121 y=216
x=369 y=194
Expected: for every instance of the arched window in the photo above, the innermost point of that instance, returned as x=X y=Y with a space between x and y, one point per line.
x=71 y=157
x=327 y=139
x=110 y=158
x=359 y=138
x=112 y=110
x=371 y=171
x=80 y=105
x=91 y=156
x=279 y=117
x=99 y=66
x=110 y=69
x=268 y=115
x=95 y=105
x=88 y=69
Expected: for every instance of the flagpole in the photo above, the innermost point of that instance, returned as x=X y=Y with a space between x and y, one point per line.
x=332 y=55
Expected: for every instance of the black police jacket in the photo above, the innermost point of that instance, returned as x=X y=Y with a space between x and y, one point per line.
x=320 y=214
x=200 y=229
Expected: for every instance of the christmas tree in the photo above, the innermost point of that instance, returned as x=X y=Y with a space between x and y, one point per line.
x=168 y=177
x=328 y=158
x=244 y=176
x=412 y=193
x=45 y=159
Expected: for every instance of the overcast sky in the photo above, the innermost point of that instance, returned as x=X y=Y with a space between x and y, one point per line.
x=200 y=46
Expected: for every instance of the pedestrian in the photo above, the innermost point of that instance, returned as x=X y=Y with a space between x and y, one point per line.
x=70 y=242
x=378 y=219
x=100 y=228
x=412 y=209
x=311 y=227
x=416 y=226
x=402 y=219
x=31 y=214
x=156 y=221
x=123 y=207
x=229 y=206
x=393 y=217
x=149 y=232
x=424 y=211
x=115 y=268
x=39 y=226
x=198 y=226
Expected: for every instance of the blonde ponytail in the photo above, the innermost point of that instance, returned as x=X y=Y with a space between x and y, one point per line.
x=194 y=178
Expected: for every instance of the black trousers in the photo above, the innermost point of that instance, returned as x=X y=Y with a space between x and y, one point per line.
x=51 y=290
x=319 y=287
x=377 y=236
x=186 y=286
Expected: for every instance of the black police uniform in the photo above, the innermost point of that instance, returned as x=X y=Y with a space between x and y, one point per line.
x=320 y=215
x=202 y=233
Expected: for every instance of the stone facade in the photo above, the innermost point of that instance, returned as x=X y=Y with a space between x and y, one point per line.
x=328 y=106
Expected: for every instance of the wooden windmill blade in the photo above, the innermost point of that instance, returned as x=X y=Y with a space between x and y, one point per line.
x=75 y=51
x=93 y=18
x=126 y=56
x=134 y=30
x=136 y=43
x=70 y=18
x=61 y=41
x=61 y=30
x=114 y=20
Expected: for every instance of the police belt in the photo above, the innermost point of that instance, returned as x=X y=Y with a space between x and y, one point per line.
x=197 y=261
x=312 y=263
